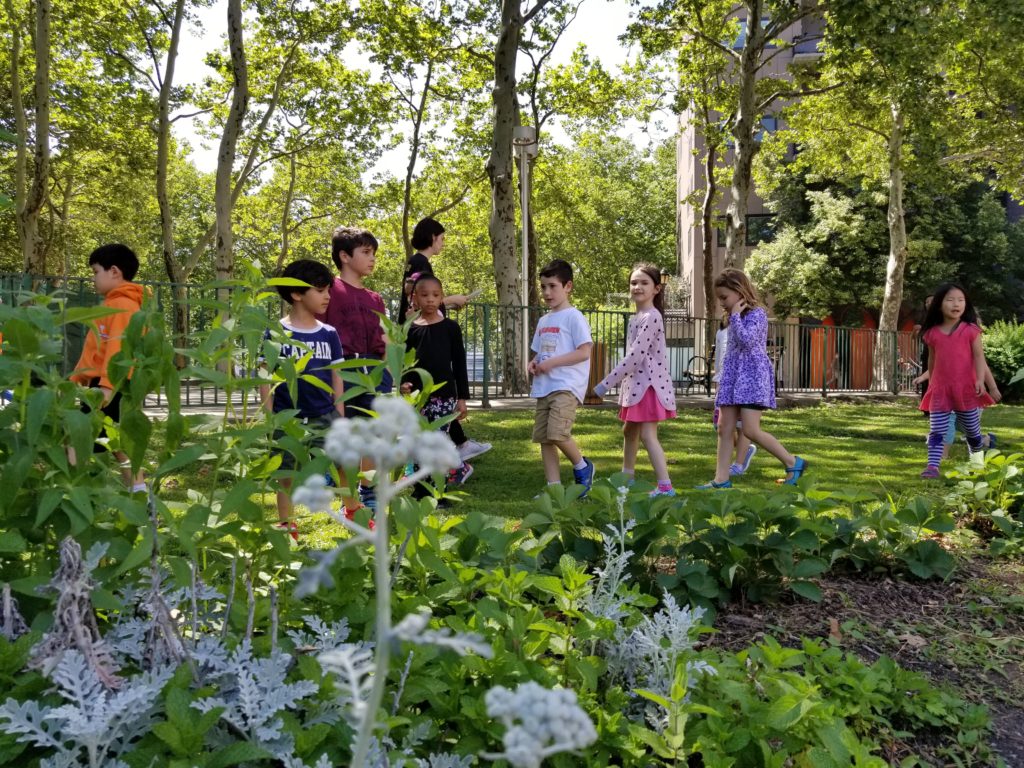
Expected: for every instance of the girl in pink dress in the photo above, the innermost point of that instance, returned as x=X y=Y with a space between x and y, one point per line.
x=647 y=395
x=956 y=372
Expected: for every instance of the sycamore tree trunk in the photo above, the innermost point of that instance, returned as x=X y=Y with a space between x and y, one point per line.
x=175 y=272
x=33 y=252
x=743 y=129
x=896 y=217
x=286 y=214
x=223 y=204
x=20 y=126
x=502 y=223
x=707 y=213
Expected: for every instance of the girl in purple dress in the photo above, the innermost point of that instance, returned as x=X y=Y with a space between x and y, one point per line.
x=747 y=386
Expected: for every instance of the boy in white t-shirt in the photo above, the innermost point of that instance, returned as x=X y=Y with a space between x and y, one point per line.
x=560 y=370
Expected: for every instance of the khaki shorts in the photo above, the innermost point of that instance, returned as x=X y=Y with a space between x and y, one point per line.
x=556 y=413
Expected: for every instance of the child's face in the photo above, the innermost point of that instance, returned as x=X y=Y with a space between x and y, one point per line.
x=727 y=298
x=953 y=304
x=362 y=260
x=642 y=288
x=429 y=297
x=105 y=280
x=314 y=300
x=554 y=293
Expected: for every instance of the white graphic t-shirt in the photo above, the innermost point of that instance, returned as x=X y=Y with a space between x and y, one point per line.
x=559 y=333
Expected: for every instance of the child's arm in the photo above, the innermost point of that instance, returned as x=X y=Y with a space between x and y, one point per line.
x=265 y=399
x=750 y=330
x=638 y=350
x=991 y=386
x=980 y=367
x=579 y=355
x=338 y=385
x=460 y=373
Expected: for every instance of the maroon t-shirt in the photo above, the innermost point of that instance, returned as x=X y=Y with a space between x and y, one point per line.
x=351 y=313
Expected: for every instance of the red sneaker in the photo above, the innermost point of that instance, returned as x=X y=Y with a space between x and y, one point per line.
x=290 y=528
x=350 y=514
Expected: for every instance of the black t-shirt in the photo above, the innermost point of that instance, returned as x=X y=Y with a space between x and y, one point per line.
x=440 y=351
x=416 y=263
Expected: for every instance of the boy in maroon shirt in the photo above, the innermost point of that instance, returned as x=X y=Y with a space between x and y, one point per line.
x=352 y=312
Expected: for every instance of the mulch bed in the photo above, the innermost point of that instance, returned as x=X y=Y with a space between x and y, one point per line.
x=904 y=620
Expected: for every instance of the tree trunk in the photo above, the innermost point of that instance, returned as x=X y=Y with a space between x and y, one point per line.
x=743 y=135
x=20 y=127
x=896 y=217
x=707 y=213
x=286 y=215
x=502 y=223
x=34 y=256
x=224 y=259
x=175 y=272
x=414 y=151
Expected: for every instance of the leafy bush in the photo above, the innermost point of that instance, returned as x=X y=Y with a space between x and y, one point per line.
x=990 y=500
x=1004 y=350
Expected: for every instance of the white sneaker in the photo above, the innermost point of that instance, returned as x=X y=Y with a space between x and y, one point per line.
x=472 y=448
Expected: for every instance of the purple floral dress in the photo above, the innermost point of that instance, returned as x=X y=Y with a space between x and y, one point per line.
x=748 y=377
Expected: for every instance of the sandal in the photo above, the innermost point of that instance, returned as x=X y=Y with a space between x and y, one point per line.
x=795 y=472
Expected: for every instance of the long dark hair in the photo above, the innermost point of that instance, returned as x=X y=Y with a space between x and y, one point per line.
x=934 y=315
x=659 y=290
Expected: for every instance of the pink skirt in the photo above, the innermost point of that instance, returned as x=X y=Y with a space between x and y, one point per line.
x=648 y=409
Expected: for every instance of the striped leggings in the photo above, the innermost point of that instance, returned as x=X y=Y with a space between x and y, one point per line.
x=968 y=422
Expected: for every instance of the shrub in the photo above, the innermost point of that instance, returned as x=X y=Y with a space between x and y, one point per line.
x=1004 y=349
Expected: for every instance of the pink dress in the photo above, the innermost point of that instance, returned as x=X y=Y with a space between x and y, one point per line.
x=951 y=385
x=647 y=392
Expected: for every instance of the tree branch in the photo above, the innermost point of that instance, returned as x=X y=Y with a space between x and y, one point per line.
x=797 y=94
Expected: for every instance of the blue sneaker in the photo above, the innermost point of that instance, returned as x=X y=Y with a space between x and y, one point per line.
x=368 y=497
x=584 y=477
x=991 y=441
x=795 y=472
x=713 y=486
x=669 y=492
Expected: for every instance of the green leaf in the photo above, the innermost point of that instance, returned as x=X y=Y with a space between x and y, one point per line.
x=39 y=404
x=182 y=458
x=807 y=589
x=140 y=553
x=48 y=501
x=87 y=314
x=239 y=752
x=12 y=542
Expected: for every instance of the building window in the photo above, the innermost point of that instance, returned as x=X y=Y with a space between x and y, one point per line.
x=741 y=38
x=760 y=228
x=769 y=124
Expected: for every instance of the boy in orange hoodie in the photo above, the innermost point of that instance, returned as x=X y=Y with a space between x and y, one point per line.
x=113 y=268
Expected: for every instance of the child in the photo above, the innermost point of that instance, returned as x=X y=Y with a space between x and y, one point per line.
x=561 y=369
x=353 y=312
x=647 y=395
x=747 y=385
x=744 y=447
x=956 y=372
x=437 y=342
x=113 y=268
x=428 y=238
x=316 y=407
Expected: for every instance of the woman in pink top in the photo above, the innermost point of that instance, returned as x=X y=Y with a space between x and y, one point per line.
x=956 y=372
x=647 y=395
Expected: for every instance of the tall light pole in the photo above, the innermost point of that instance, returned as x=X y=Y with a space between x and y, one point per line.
x=524 y=141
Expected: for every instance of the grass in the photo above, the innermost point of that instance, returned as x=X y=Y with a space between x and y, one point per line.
x=878 y=448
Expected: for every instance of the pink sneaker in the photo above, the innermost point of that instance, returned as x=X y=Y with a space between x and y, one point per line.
x=930 y=473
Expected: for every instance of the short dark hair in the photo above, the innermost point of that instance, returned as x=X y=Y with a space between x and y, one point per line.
x=559 y=268
x=426 y=277
x=116 y=255
x=424 y=232
x=347 y=239
x=308 y=271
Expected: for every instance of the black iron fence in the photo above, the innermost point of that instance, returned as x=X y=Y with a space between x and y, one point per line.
x=810 y=358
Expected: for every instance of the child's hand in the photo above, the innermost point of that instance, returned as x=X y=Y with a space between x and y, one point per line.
x=920 y=379
x=460 y=408
x=979 y=386
x=542 y=366
x=600 y=391
x=406 y=388
x=531 y=367
x=996 y=394
x=739 y=306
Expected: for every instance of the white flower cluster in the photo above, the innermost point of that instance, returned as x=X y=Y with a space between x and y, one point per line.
x=549 y=722
x=393 y=439
x=314 y=494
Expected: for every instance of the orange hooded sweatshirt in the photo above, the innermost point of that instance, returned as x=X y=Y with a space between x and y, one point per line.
x=100 y=347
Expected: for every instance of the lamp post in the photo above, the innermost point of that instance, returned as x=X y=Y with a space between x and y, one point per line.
x=524 y=141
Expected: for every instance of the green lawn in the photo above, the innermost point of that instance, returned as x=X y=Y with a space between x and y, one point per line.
x=876 y=447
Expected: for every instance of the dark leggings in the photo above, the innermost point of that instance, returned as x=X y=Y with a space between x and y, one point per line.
x=455 y=432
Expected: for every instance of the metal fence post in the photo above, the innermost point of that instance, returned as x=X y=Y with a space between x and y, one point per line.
x=895 y=361
x=486 y=400
x=824 y=363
